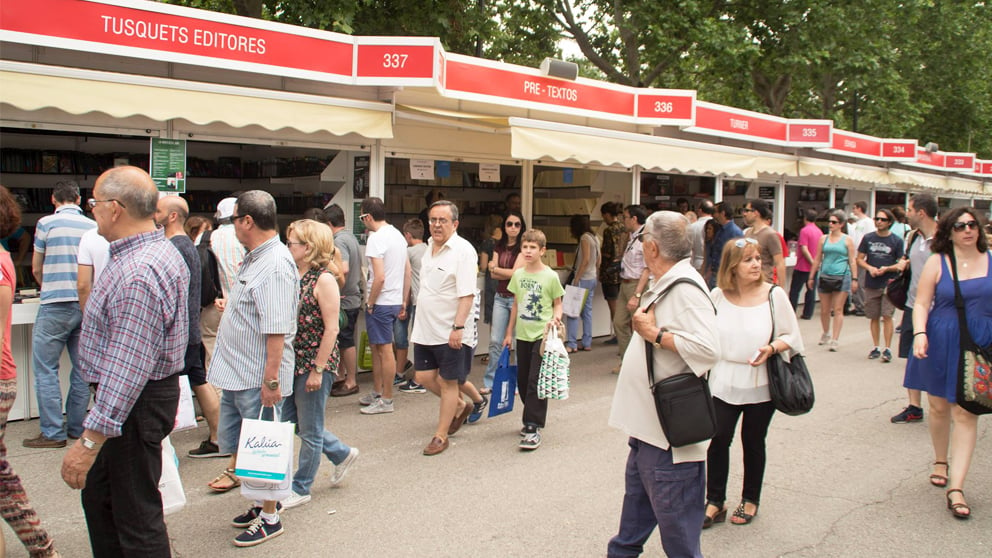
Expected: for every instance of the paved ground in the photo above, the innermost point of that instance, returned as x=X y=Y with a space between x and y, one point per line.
x=841 y=481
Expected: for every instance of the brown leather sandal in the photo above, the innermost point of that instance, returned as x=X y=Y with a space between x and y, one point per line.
x=226 y=474
x=961 y=510
x=939 y=481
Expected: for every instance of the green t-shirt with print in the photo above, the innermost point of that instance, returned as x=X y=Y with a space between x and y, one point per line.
x=535 y=294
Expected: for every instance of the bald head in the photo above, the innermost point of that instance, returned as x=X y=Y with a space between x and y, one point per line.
x=174 y=204
x=132 y=188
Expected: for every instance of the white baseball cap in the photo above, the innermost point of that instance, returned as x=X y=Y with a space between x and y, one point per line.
x=225 y=209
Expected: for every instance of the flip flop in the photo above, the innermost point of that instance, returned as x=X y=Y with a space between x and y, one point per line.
x=230 y=476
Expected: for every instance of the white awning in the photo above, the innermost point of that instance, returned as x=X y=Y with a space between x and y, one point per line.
x=35 y=87
x=845 y=171
x=534 y=139
x=924 y=180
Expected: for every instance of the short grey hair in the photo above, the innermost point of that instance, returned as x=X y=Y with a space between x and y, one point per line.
x=450 y=205
x=669 y=231
x=261 y=206
x=133 y=189
x=839 y=214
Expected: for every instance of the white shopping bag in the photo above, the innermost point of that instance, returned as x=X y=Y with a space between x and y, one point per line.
x=552 y=378
x=575 y=299
x=261 y=491
x=265 y=449
x=185 y=413
x=170 y=485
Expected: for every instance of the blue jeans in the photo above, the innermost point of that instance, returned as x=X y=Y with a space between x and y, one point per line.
x=401 y=330
x=235 y=406
x=306 y=409
x=663 y=494
x=55 y=329
x=572 y=324
x=502 y=306
x=799 y=279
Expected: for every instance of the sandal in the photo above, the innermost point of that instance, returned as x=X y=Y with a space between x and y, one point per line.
x=939 y=481
x=227 y=474
x=484 y=359
x=744 y=518
x=485 y=391
x=719 y=517
x=961 y=509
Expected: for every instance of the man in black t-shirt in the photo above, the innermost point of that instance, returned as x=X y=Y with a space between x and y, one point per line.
x=878 y=254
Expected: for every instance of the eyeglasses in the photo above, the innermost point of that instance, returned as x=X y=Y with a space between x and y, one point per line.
x=289 y=243
x=742 y=242
x=834 y=222
x=962 y=225
x=363 y=216
x=514 y=224
x=93 y=201
x=440 y=221
x=748 y=210
x=883 y=219
x=236 y=218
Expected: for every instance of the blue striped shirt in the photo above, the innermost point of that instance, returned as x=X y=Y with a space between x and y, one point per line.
x=57 y=237
x=263 y=301
x=135 y=327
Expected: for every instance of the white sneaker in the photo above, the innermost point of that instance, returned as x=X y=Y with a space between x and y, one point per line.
x=369 y=398
x=833 y=345
x=295 y=500
x=378 y=407
x=342 y=469
x=824 y=339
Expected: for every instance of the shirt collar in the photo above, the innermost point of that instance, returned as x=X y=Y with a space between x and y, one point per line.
x=430 y=241
x=263 y=248
x=124 y=246
x=69 y=207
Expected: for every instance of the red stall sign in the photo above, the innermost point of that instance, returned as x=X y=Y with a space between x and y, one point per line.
x=983 y=167
x=666 y=106
x=857 y=145
x=899 y=149
x=718 y=120
x=929 y=159
x=176 y=34
x=959 y=161
x=810 y=133
x=395 y=60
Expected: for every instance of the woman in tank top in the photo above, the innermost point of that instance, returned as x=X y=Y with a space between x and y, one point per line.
x=834 y=262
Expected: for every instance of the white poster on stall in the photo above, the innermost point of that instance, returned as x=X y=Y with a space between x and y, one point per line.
x=422 y=169
x=488 y=172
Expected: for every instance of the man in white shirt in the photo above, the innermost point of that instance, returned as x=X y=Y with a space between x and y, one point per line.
x=863 y=225
x=388 y=291
x=93 y=253
x=697 y=235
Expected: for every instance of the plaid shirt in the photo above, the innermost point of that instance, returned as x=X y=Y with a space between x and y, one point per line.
x=135 y=327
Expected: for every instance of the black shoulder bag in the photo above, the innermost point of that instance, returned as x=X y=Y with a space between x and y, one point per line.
x=683 y=401
x=974 y=385
x=789 y=383
x=897 y=288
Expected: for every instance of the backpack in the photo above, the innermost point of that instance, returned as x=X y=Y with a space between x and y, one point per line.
x=210 y=288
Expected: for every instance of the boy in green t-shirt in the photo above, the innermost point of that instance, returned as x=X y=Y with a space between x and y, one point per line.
x=537 y=302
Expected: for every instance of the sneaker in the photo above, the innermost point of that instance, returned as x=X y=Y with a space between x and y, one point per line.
x=398 y=379
x=341 y=469
x=531 y=439
x=824 y=339
x=295 y=500
x=247 y=518
x=41 y=442
x=477 y=409
x=875 y=353
x=833 y=345
x=207 y=449
x=369 y=398
x=911 y=413
x=378 y=407
x=886 y=355
x=412 y=387
x=612 y=341
x=258 y=532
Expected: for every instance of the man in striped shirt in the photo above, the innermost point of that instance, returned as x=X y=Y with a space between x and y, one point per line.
x=57 y=327
x=135 y=332
x=254 y=359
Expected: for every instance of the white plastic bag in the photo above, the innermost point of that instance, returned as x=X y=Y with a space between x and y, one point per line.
x=265 y=449
x=574 y=300
x=185 y=413
x=552 y=379
x=170 y=485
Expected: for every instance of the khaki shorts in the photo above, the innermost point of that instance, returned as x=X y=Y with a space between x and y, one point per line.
x=877 y=305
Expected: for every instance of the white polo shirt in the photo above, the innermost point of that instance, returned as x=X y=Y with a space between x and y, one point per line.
x=444 y=278
x=388 y=244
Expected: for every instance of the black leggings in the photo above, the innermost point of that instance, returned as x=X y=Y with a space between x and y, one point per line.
x=757 y=417
x=528 y=366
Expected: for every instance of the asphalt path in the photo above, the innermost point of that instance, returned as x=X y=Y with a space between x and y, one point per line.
x=840 y=481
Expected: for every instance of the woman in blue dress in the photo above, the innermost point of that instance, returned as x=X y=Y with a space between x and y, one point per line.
x=937 y=341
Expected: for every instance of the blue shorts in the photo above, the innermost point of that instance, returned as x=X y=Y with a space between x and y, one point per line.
x=346 y=337
x=235 y=406
x=451 y=364
x=379 y=323
x=401 y=329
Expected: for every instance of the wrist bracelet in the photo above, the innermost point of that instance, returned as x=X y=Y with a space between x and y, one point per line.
x=919 y=333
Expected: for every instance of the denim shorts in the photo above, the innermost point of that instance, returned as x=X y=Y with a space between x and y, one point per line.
x=379 y=323
x=451 y=364
x=235 y=406
x=401 y=329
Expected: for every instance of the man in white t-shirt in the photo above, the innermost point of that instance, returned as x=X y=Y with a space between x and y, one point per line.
x=93 y=253
x=388 y=290
x=863 y=225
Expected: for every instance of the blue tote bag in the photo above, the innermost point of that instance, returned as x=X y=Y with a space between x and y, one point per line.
x=504 y=385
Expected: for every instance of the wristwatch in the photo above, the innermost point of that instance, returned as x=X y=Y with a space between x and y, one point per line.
x=271 y=384
x=456 y=327
x=638 y=295
x=657 y=340
x=89 y=444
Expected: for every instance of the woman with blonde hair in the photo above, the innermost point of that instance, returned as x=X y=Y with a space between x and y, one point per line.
x=834 y=261
x=756 y=322
x=317 y=357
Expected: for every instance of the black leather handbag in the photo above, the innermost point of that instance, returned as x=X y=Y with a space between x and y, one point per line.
x=683 y=401
x=789 y=383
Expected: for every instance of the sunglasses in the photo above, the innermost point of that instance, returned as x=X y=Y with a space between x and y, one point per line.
x=883 y=219
x=962 y=225
x=742 y=242
x=514 y=224
x=834 y=222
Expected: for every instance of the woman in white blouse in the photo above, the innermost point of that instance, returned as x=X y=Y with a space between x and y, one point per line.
x=739 y=381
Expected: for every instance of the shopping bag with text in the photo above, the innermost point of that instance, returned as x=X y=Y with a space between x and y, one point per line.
x=265 y=449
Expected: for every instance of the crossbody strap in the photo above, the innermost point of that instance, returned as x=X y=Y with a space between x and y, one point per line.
x=650 y=346
x=771 y=307
x=959 y=303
